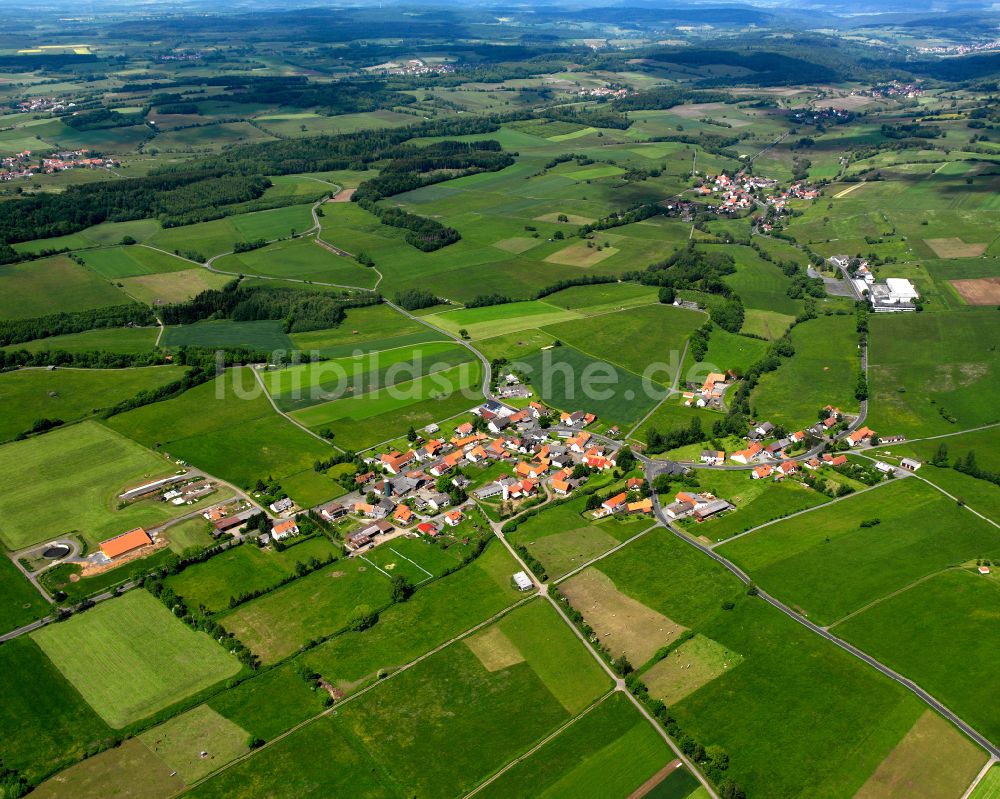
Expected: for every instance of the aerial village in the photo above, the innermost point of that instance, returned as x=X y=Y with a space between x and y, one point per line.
x=501 y=458
x=742 y=192
x=22 y=165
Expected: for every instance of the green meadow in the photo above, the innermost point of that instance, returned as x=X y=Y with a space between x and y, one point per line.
x=113 y=263
x=745 y=709
x=609 y=751
x=924 y=533
x=228 y=428
x=277 y=624
x=265 y=335
x=46 y=723
x=299 y=259
x=113 y=339
x=823 y=371
x=244 y=569
x=154 y=657
x=70 y=394
x=939 y=633
x=364 y=420
x=933 y=373
x=299 y=386
x=52 y=285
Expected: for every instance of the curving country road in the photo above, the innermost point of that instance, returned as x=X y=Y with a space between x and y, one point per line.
x=906 y=683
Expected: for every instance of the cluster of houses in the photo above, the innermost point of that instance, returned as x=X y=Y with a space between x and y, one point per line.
x=76 y=159
x=510 y=387
x=21 y=165
x=897 y=89
x=16 y=166
x=756 y=450
x=821 y=115
x=734 y=193
x=740 y=192
x=609 y=92
x=627 y=502
x=36 y=104
x=710 y=393
x=400 y=492
x=416 y=66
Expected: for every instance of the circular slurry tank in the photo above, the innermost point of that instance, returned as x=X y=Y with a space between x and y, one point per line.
x=56 y=551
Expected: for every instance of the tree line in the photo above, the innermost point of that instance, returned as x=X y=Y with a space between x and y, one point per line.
x=18 y=331
x=300 y=309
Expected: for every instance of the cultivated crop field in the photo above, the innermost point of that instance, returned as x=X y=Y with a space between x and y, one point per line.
x=154 y=659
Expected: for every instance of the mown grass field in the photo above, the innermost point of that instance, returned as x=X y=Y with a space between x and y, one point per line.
x=939 y=633
x=130 y=768
x=131 y=656
x=44 y=721
x=113 y=263
x=312 y=607
x=244 y=569
x=180 y=741
x=70 y=394
x=823 y=371
x=927 y=369
x=84 y=467
x=171 y=287
x=228 y=428
x=920 y=532
x=53 y=285
x=610 y=751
